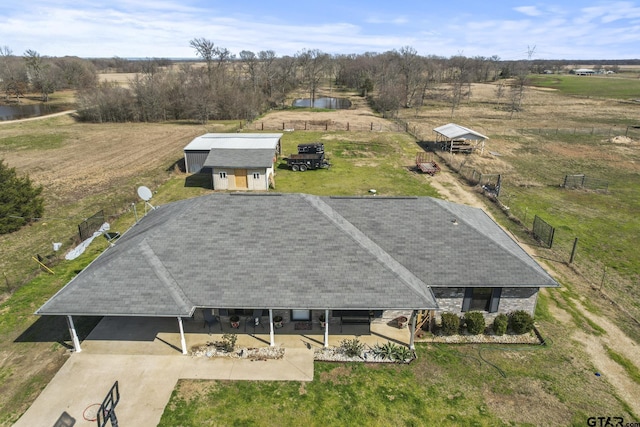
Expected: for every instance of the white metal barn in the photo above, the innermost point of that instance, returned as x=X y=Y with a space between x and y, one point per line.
x=237 y=161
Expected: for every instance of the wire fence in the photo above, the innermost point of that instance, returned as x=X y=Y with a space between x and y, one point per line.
x=630 y=131
x=327 y=125
x=584 y=181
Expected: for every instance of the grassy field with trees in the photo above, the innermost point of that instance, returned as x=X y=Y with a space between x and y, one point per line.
x=85 y=166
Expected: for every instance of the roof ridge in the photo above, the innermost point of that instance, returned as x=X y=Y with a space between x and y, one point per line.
x=166 y=278
x=403 y=273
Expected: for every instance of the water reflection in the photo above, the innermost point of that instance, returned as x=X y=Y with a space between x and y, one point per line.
x=325 y=102
x=14 y=112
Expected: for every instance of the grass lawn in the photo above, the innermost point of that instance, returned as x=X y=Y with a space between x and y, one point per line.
x=464 y=385
x=609 y=86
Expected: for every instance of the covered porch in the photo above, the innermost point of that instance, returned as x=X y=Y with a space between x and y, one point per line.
x=164 y=336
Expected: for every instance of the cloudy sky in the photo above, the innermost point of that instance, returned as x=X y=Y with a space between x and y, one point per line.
x=560 y=29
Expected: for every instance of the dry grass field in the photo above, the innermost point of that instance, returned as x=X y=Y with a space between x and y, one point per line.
x=87 y=167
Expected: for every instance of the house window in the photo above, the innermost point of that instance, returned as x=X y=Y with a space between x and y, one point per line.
x=223 y=175
x=301 y=315
x=256 y=176
x=481 y=299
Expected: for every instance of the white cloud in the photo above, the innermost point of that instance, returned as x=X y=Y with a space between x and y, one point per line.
x=528 y=10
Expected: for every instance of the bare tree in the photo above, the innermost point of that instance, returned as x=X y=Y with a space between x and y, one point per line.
x=207 y=51
x=314 y=66
x=40 y=75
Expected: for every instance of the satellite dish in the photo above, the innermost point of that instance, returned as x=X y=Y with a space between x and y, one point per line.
x=144 y=193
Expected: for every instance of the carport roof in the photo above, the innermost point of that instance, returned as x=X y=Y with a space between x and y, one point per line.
x=286 y=251
x=454 y=131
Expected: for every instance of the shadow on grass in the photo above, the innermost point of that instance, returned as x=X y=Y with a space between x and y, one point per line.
x=201 y=180
x=55 y=329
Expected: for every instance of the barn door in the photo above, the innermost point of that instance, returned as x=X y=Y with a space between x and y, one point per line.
x=241 y=178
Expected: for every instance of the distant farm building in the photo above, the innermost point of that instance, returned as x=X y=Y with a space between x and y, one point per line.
x=584 y=72
x=236 y=161
x=456 y=138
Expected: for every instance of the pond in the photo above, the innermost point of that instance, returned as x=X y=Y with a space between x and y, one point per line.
x=325 y=102
x=14 y=112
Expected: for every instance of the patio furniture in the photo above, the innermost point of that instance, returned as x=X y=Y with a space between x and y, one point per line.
x=210 y=319
x=254 y=320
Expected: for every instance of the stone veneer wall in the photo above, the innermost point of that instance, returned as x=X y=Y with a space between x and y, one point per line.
x=511 y=299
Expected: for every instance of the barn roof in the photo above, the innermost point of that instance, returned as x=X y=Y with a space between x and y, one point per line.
x=234 y=158
x=454 y=131
x=234 y=140
x=296 y=251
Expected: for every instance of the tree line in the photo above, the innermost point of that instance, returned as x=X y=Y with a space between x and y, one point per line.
x=222 y=85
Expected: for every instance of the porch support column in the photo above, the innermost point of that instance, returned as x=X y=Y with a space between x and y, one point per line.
x=272 y=339
x=412 y=329
x=326 y=329
x=74 y=335
x=183 y=342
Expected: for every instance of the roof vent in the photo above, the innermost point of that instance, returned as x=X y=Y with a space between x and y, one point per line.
x=454 y=221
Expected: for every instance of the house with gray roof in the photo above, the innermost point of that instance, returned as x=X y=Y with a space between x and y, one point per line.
x=300 y=256
x=237 y=161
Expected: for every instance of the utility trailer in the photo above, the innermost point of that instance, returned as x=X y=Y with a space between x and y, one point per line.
x=302 y=162
x=313 y=148
x=425 y=163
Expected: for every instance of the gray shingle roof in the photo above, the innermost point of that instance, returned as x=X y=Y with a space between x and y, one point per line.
x=240 y=158
x=296 y=251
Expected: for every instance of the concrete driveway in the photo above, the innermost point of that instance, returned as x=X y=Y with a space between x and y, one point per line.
x=146 y=379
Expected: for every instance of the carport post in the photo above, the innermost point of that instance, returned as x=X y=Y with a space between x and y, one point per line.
x=272 y=340
x=74 y=335
x=183 y=342
x=412 y=345
x=326 y=329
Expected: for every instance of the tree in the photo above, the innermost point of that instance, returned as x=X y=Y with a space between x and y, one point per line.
x=314 y=66
x=207 y=51
x=40 y=75
x=20 y=200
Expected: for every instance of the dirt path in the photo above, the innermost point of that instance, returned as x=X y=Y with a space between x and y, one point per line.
x=594 y=346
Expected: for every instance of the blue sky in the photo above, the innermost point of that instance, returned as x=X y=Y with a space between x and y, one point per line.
x=565 y=29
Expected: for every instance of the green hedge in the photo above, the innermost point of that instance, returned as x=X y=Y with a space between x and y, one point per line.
x=520 y=322
x=475 y=322
x=500 y=324
x=450 y=323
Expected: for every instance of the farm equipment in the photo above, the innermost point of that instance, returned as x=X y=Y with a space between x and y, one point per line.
x=426 y=164
x=310 y=156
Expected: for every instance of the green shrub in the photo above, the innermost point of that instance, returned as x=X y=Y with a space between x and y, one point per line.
x=20 y=200
x=450 y=323
x=229 y=342
x=392 y=351
x=500 y=324
x=475 y=322
x=352 y=347
x=385 y=351
x=520 y=322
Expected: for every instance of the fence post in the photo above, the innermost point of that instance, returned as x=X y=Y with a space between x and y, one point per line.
x=573 y=251
x=371 y=126
x=326 y=125
x=262 y=123
x=282 y=125
x=347 y=126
